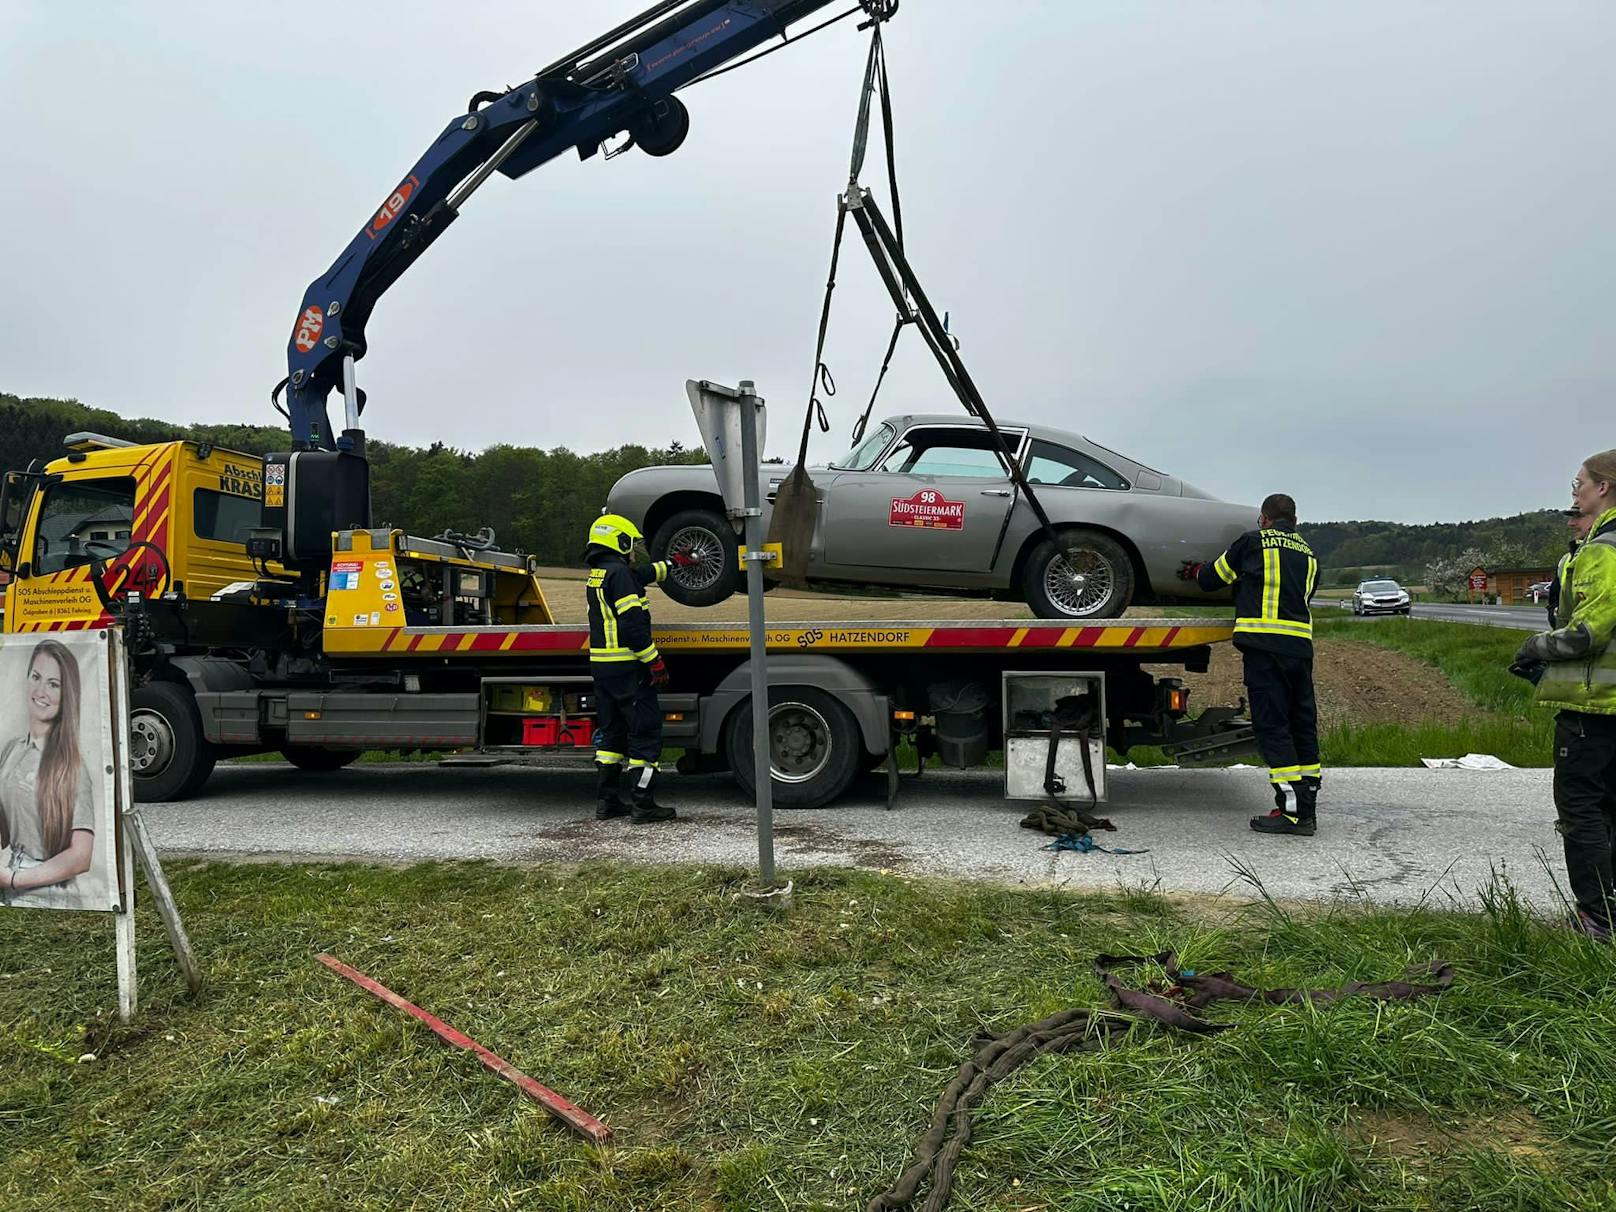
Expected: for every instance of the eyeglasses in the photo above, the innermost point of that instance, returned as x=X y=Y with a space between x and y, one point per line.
x=1576 y=485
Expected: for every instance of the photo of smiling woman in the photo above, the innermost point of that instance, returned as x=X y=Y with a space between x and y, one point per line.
x=48 y=818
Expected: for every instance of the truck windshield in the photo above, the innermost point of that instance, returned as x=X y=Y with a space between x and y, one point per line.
x=83 y=519
x=863 y=456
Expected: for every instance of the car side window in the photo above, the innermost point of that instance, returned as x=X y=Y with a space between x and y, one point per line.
x=1067 y=468
x=81 y=520
x=943 y=452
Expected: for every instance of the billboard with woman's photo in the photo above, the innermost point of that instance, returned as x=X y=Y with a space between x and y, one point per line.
x=58 y=809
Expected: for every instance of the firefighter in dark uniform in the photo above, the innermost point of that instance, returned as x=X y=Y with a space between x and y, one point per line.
x=1274 y=574
x=627 y=671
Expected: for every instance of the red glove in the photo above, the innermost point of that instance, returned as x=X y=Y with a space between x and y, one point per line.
x=1190 y=570
x=658 y=672
x=683 y=559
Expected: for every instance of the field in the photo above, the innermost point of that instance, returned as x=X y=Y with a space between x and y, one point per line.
x=750 y=1061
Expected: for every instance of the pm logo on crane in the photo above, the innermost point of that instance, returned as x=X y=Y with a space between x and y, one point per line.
x=309 y=326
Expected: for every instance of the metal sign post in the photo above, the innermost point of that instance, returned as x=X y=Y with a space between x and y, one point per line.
x=720 y=411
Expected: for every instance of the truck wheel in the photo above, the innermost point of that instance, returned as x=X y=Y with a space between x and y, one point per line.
x=1091 y=579
x=170 y=757
x=704 y=533
x=318 y=760
x=814 y=743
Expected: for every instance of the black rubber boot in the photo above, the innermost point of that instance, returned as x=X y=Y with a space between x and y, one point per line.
x=1296 y=817
x=642 y=786
x=608 y=805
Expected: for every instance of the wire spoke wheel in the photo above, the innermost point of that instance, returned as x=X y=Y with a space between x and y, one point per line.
x=703 y=546
x=1079 y=582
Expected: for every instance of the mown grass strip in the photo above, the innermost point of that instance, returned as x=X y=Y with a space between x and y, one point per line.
x=752 y=1061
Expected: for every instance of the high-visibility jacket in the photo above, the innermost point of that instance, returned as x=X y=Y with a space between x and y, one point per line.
x=1560 y=587
x=1581 y=672
x=1274 y=574
x=619 y=611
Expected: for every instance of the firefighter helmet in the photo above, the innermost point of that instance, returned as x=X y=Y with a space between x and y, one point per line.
x=615 y=533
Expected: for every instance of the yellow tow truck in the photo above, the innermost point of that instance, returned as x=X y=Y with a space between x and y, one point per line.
x=393 y=641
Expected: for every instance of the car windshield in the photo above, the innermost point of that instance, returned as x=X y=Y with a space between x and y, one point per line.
x=863 y=456
x=1382 y=587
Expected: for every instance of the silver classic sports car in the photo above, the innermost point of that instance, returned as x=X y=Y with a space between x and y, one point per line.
x=925 y=502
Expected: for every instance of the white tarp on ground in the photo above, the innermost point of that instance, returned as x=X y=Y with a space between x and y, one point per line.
x=1470 y=761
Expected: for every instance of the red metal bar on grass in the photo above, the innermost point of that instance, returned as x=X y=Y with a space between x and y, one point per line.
x=579 y=1120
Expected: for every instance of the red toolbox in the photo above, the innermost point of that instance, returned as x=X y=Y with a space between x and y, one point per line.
x=549 y=731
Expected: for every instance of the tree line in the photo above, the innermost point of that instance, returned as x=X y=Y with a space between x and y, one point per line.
x=537 y=501
x=540 y=501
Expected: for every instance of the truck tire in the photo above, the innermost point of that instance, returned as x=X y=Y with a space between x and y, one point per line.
x=1105 y=589
x=705 y=532
x=317 y=760
x=170 y=757
x=815 y=743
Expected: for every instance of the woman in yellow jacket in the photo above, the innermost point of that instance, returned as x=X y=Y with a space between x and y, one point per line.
x=1579 y=679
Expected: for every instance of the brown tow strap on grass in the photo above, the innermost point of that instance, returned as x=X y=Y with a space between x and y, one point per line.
x=1173 y=1005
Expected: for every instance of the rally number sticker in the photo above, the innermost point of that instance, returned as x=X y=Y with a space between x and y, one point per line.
x=929 y=509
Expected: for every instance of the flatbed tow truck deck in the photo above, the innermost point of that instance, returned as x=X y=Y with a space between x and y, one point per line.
x=1137 y=638
x=844 y=697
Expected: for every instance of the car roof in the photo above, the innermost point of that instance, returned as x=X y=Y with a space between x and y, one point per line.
x=905 y=420
x=1043 y=433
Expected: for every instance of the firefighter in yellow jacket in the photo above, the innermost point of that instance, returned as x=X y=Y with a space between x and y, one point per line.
x=1574 y=667
x=626 y=669
x=1274 y=573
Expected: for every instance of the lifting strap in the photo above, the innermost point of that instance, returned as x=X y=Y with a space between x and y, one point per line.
x=885 y=243
x=1174 y=1005
x=1076 y=716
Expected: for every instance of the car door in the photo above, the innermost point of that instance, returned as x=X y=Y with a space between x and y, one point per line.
x=936 y=503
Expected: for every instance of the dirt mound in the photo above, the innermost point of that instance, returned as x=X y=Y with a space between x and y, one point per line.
x=1356 y=684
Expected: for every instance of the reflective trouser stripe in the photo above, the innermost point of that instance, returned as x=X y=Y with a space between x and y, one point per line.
x=607 y=758
x=1310 y=770
x=633 y=762
x=1284 y=774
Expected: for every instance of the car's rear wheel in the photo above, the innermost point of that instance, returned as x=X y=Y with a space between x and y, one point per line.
x=1088 y=577
x=706 y=535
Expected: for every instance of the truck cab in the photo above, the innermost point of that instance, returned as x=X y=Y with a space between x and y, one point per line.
x=146 y=518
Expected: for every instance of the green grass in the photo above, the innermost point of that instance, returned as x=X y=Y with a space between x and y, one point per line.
x=753 y=1062
x=1476 y=660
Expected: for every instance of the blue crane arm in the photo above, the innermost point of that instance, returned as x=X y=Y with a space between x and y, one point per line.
x=624 y=81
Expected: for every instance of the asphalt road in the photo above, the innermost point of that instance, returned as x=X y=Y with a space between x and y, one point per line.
x=1388 y=835
x=1522 y=618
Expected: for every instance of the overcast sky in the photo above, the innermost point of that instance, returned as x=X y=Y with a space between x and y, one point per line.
x=1361 y=252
